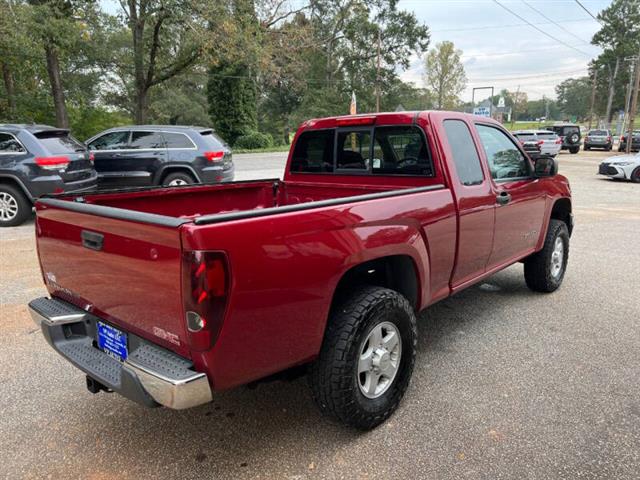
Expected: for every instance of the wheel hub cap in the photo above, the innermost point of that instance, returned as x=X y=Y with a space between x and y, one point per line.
x=557 y=258
x=379 y=360
x=8 y=207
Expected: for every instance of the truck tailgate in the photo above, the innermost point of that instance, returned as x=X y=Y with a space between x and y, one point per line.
x=124 y=270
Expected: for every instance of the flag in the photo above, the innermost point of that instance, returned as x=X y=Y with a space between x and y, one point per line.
x=353 y=107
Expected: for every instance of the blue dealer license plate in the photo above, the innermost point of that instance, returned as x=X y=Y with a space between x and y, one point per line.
x=112 y=341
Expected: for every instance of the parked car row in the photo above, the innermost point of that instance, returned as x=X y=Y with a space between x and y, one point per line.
x=38 y=159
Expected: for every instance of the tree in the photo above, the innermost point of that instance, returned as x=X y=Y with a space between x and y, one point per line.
x=620 y=39
x=163 y=45
x=574 y=96
x=445 y=77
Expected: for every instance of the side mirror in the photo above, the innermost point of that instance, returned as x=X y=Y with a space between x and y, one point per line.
x=545 y=166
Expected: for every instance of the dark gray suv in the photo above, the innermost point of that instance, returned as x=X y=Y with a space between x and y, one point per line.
x=37 y=160
x=170 y=155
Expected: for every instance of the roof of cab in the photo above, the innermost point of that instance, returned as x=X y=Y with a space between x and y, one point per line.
x=163 y=127
x=388 y=118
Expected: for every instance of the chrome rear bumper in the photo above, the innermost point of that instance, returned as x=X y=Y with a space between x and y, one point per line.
x=150 y=375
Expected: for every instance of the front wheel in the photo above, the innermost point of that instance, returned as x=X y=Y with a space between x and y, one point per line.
x=544 y=270
x=366 y=359
x=635 y=175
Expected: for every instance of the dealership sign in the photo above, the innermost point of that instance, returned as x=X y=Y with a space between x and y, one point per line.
x=482 y=111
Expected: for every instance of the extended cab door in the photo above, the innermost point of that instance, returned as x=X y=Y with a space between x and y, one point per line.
x=520 y=205
x=475 y=202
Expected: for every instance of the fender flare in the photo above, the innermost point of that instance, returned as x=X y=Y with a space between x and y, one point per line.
x=175 y=167
x=20 y=184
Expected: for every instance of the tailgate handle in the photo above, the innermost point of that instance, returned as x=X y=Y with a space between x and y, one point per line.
x=92 y=240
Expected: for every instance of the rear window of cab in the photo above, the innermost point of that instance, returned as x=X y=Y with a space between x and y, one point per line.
x=382 y=150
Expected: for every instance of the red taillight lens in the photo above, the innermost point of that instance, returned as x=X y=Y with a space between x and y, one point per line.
x=541 y=142
x=205 y=286
x=52 y=163
x=608 y=139
x=214 y=156
x=559 y=141
x=622 y=138
x=92 y=157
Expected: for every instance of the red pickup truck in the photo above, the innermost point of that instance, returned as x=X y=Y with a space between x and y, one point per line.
x=167 y=295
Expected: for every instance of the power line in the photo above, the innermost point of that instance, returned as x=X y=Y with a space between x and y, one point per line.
x=524 y=77
x=491 y=27
x=586 y=10
x=512 y=52
x=540 y=30
x=555 y=23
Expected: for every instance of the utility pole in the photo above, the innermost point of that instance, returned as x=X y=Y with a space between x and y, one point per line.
x=378 y=74
x=515 y=102
x=612 y=84
x=627 y=97
x=593 y=96
x=634 y=105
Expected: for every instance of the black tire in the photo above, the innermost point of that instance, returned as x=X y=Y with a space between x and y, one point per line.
x=574 y=149
x=334 y=377
x=586 y=148
x=178 y=177
x=538 y=271
x=635 y=175
x=12 y=197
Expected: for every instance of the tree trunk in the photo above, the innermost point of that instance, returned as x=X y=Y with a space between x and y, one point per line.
x=9 y=87
x=137 y=32
x=53 y=69
x=612 y=84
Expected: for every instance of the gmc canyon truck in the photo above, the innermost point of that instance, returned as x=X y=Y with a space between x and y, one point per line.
x=166 y=295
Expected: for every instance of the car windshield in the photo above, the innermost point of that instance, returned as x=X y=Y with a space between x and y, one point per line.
x=596 y=133
x=525 y=137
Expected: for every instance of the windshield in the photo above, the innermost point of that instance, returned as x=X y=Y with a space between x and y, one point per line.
x=525 y=137
x=600 y=133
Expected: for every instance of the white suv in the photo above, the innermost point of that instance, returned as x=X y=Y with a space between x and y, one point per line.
x=550 y=143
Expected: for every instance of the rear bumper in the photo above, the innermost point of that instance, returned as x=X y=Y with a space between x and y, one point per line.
x=48 y=184
x=217 y=174
x=150 y=375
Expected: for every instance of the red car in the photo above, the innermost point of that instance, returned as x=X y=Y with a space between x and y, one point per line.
x=167 y=295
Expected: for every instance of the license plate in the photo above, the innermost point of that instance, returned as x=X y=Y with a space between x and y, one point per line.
x=112 y=341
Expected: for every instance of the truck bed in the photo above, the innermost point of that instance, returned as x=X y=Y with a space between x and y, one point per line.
x=194 y=202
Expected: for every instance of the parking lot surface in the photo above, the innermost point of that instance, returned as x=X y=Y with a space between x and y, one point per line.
x=507 y=384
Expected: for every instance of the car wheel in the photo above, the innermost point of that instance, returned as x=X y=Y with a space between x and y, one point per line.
x=586 y=148
x=177 y=179
x=15 y=207
x=574 y=149
x=366 y=359
x=635 y=175
x=544 y=270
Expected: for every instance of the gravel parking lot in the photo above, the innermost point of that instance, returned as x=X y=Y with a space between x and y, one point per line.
x=508 y=383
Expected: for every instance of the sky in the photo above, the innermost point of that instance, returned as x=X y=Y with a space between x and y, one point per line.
x=501 y=50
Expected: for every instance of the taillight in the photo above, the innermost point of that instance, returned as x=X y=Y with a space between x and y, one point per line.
x=92 y=157
x=558 y=141
x=205 y=286
x=622 y=138
x=608 y=139
x=540 y=142
x=214 y=156
x=52 y=163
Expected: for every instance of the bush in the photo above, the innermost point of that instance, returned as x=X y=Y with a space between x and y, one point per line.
x=254 y=140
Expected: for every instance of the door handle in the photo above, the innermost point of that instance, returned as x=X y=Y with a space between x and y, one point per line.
x=92 y=240
x=503 y=198
x=117 y=155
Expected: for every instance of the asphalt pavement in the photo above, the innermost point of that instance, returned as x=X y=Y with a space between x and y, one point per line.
x=508 y=384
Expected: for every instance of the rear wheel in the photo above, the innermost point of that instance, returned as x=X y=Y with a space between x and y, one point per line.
x=544 y=270
x=586 y=148
x=15 y=207
x=366 y=359
x=178 y=178
x=574 y=149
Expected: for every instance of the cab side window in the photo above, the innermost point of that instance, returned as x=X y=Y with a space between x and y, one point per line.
x=465 y=155
x=111 y=141
x=505 y=159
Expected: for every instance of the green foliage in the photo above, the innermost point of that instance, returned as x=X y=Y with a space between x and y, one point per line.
x=86 y=121
x=231 y=94
x=254 y=140
x=574 y=96
x=445 y=75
